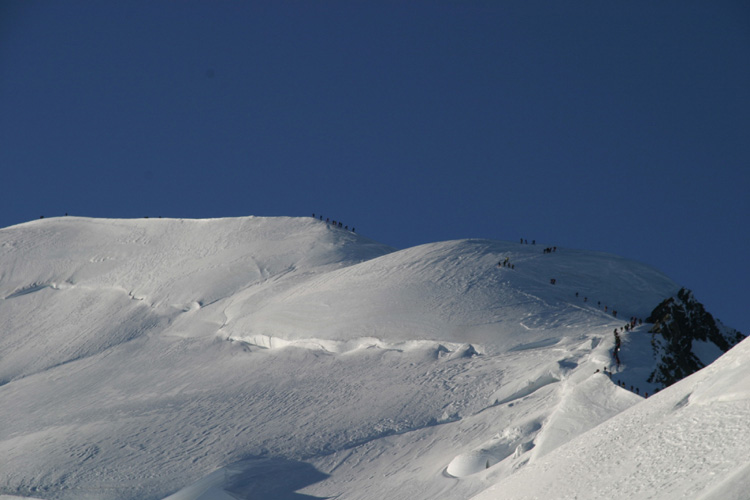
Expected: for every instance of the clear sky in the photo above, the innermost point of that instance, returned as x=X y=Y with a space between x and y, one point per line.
x=615 y=126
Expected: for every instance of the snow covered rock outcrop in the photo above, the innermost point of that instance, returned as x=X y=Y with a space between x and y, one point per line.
x=689 y=338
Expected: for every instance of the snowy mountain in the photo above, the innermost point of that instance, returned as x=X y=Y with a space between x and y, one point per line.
x=283 y=358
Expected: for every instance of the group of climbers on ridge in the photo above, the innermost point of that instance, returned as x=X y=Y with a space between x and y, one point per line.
x=334 y=223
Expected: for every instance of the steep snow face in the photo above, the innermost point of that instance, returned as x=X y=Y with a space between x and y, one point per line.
x=689 y=441
x=139 y=357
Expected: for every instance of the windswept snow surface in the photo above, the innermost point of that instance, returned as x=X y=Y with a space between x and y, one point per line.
x=281 y=358
x=689 y=441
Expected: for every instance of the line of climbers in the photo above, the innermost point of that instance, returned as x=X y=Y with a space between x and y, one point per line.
x=618 y=342
x=553 y=281
x=506 y=263
x=616 y=350
x=628 y=326
x=622 y=384
x=334 y=223
x=633 y=389
x=631 y=324
x=634 y=321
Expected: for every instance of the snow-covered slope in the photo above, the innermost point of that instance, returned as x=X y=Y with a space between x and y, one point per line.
x=105 y=282
x=283 y=358
x=688 y=441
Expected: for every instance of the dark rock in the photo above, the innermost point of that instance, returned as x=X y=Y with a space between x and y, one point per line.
x=680 y=321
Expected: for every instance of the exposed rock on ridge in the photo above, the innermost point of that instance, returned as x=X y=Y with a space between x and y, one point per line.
x=681 y=321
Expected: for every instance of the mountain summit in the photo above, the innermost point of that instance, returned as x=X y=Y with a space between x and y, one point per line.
x=287 y=358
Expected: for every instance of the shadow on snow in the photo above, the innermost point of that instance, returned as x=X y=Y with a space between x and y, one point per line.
x=257 y=478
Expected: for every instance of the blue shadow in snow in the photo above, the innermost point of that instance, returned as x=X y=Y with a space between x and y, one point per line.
x=262 y=478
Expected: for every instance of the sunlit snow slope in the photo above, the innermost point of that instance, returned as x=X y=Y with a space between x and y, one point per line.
x=689 y=441
x=281 y=358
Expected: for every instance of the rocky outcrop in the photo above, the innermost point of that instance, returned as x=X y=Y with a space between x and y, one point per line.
x=679 y=322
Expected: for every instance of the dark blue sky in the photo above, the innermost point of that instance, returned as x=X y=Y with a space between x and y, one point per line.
x=615 y=126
